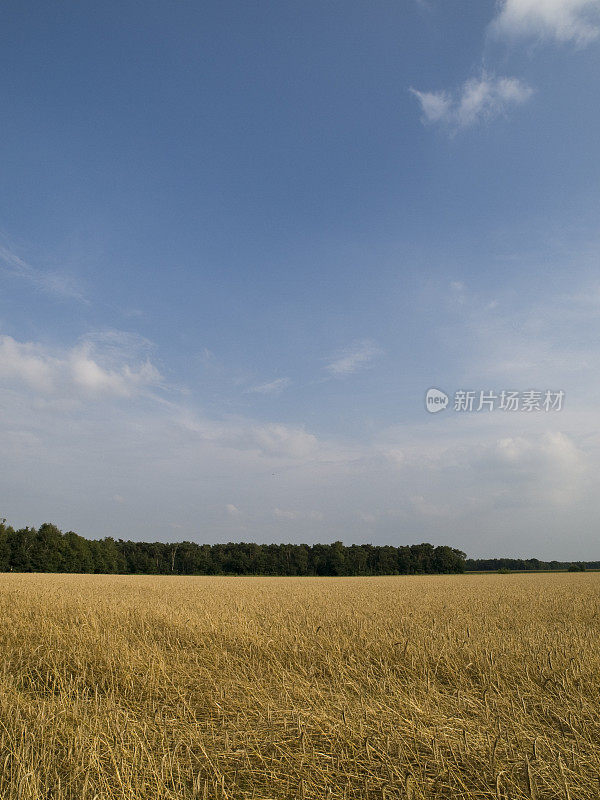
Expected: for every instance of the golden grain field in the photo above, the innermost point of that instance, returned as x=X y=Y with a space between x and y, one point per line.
x=403 y=687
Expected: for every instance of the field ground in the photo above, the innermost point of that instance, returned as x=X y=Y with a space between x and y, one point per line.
x=476 y=686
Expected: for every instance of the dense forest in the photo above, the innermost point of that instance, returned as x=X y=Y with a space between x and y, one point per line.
x=47 y=549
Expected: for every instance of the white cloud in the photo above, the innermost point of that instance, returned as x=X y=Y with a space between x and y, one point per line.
x=574 y=21
x=273 y=387
x=478 y=99
x=354 y=358
x=549 y=468
x=275 y=439
x=74 y=373
x=436 y=106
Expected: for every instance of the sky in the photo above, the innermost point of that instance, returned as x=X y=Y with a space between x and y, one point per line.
x=239 y=242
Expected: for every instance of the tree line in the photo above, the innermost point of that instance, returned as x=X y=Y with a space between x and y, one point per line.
x=48 y=549
x=526 y=564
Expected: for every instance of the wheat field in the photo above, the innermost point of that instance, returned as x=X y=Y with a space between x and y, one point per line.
x=477 y=686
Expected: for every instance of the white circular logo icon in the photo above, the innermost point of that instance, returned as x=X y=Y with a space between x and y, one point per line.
x=435 y=400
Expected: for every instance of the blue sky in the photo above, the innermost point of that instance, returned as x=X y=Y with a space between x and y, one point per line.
x=239 y=242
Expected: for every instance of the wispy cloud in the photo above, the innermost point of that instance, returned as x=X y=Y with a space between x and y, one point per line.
x=54 y=283
x=576 y=21
x=478 y=99
x=291 y=515
x=270 y=439
x=356 y=357
x=273 y=387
